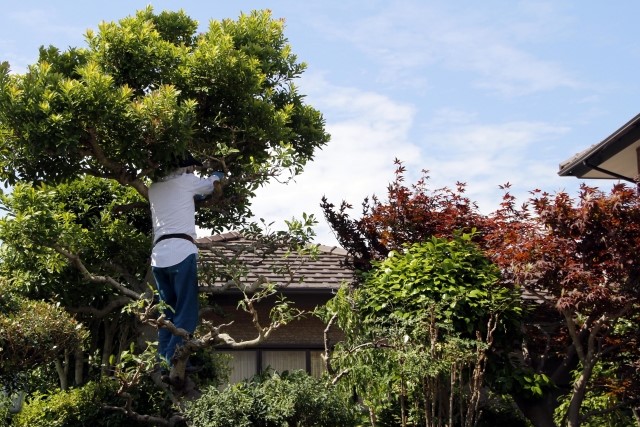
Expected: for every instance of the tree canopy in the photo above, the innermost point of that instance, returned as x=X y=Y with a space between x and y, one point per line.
x=85 y=130
x=145 y=89
x=419 y=329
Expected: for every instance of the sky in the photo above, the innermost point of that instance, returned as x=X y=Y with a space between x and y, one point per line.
x=481 y=92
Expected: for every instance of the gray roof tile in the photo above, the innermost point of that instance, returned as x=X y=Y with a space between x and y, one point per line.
x=325 y=272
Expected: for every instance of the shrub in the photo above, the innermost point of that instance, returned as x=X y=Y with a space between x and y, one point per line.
x=274 y=400
x=77 y=407
x=34 y=333
x=5 y=406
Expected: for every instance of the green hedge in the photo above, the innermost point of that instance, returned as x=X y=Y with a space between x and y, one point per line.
x=273 y=400
x=78 y=407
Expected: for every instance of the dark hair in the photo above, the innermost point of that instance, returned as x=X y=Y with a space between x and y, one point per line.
x=187 y=160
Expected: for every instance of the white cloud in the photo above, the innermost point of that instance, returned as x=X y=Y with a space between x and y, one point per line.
x=367 y=131
x=488 y=155
x=410 y=36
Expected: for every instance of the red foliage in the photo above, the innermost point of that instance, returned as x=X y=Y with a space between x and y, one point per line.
x=575 y=257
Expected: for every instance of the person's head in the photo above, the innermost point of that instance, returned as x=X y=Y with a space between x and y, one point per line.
x=181 y=165
x=188 y=161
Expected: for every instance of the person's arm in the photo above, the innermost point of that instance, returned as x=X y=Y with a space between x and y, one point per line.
x=208 y=186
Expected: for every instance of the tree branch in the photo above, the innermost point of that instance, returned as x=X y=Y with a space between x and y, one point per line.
x=120 y=209
x=574 y=335
x=120 y=173
x=77 y=262
x=102 y=312
x=145 y=419
x=326 y=356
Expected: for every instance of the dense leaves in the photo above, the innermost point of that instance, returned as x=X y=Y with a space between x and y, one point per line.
x=290 y=399
x=33 y=334
x=80 y=218
x=83 y=132
x=574 y=259
x=148 y=87
x=454 y=273
x=74 y=408
x=420 y=328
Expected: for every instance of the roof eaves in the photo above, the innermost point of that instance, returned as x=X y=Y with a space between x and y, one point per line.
x=587 y=159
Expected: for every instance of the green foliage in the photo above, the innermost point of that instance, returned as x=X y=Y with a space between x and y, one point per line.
x=215 y=367
x=34 y=334
x=84 y=131
x=5 y=406
x=420 y=328
x=81 y=218
x=271 y=400
x=78 y=407
x=598 y=409
x=454 y=273
x=146 y=88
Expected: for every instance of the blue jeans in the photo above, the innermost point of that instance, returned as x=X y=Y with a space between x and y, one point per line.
x=178 y=287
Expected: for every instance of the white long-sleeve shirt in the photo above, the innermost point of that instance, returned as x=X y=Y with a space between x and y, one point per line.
x=173 y=211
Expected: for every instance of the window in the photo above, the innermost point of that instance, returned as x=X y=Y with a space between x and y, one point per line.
x=246 y=363
x=317 y=364
x=281 y=361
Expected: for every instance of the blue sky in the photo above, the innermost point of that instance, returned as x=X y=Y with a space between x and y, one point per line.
x=480 y=92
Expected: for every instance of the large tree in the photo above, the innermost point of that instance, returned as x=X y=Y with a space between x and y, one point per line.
x=574 y=260
x=150 y=86
x=85 y=130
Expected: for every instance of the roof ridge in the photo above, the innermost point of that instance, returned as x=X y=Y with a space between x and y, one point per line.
x=236 y=235
x=220 y=237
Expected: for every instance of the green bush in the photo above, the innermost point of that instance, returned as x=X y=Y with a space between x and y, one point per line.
x=5 y=406
x=77 y=407
x=34 y=333
x=272 y=400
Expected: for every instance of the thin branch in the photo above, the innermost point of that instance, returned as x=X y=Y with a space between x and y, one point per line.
x=600 y=412
x=120 y=209
x=77 y=262
x=145 y=419
x=325 y=356
x=102 y=312
x=120 y=173
x=574 y=335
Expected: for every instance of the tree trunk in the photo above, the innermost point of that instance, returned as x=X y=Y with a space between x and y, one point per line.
x=107 y=346
x=372 y=417
x=538 y=411
x=452 y=388
x=579 y=391
x=403 y=402
x=79 y=367
x=62 y=374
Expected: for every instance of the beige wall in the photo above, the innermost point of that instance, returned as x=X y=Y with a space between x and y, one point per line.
x=306 y=332
x=297 y=345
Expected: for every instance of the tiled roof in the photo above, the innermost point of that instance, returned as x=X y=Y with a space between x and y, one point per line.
x=325 y=272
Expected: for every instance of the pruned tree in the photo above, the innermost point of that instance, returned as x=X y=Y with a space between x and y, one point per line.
x=85 y=130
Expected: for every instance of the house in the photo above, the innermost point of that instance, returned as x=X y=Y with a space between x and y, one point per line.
x=304 y=280
x=616 y=157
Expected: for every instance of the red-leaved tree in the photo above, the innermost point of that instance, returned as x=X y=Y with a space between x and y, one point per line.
x=575 y=261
